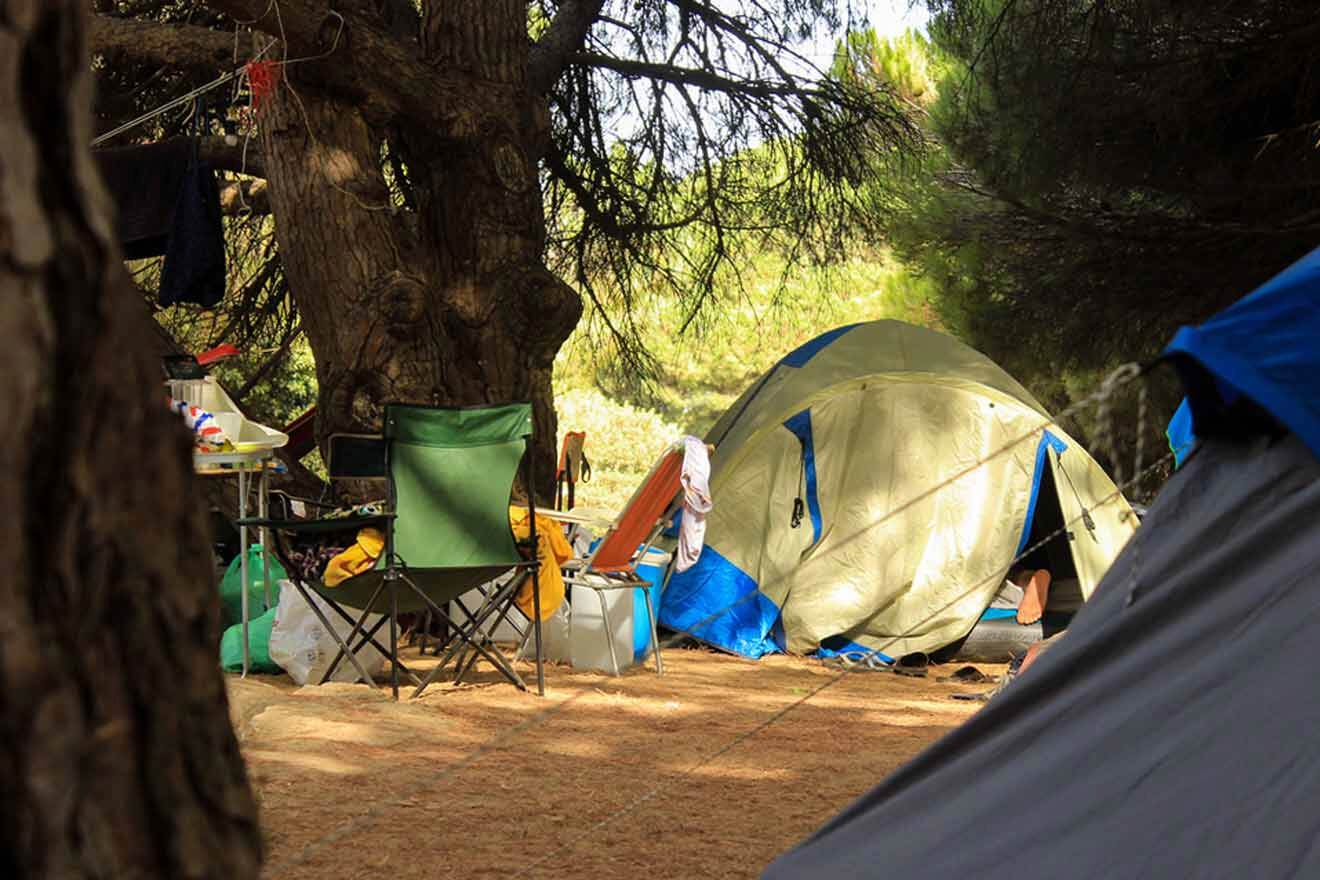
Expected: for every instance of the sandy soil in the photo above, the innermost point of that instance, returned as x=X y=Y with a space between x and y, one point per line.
x=604 y=778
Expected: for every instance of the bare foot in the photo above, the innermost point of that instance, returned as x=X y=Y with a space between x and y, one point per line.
x=1035 y=592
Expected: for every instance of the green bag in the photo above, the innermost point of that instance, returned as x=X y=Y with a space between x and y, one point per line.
x=231 y=586
x=231 y=646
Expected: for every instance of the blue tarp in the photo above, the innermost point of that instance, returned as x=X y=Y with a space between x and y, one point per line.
x=718 y=603
x=838 y=646
x=1264 y=347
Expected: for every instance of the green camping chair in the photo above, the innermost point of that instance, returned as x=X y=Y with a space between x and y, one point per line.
x=448 y=474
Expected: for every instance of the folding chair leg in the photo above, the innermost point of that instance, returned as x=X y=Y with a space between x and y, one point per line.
x=366 y=636
x=466 y=656
x=459 y=653
x=334 y=633
x=462 y=669
x=536 y=619
x=655 y=638
x=609 y=630
x=356 y=628
x=495 y=656
x=475 y=624
x=426 y=631
x=392 y=577
x=523 y=640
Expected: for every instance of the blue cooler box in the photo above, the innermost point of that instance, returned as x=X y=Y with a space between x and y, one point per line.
x=652 y=567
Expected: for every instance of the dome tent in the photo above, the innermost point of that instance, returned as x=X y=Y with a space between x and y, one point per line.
x=826 y=530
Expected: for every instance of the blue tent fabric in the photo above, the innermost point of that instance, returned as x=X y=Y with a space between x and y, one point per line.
x=799 y=356
x=1181 y=435
x=1263 y=347
x=718 y=603
x=800 y=426
x=1047 y=442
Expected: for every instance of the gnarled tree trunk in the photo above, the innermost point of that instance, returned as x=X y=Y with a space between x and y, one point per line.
x=449 y=303
x=118 y=756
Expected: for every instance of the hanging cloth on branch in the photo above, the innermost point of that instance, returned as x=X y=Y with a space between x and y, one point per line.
x=144 y=183
x=168 y=204
x=194 y=269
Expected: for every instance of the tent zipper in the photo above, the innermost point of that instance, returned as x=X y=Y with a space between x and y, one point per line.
x=800 y=506
x=1087 y=519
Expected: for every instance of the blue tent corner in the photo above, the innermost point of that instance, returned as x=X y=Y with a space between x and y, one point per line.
x=1263 y=347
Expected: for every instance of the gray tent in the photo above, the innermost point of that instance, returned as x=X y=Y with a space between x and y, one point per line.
x=1172 y=733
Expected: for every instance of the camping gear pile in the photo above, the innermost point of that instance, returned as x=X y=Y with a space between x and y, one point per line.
x=262 y=618
x=435 y=549
x=226 y=442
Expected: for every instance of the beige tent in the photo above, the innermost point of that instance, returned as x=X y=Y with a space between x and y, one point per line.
x=872 y=489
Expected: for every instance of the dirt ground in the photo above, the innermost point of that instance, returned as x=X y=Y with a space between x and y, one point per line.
x=603 y=778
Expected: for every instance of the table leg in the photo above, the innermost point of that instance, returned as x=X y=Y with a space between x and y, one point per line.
x=243 y=558
x=263 y=506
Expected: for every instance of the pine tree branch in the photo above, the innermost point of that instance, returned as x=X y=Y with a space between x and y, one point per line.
x=229 y=153
x=184 y=46
x=553 y=52
x=703 y=79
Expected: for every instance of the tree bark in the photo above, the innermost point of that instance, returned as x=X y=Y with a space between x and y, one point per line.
x=450 y=301
x=453 y=305
x=118 y=757
x=184 y=45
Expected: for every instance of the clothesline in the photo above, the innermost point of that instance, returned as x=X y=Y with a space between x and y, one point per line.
x=166 y=107
x=222 y=79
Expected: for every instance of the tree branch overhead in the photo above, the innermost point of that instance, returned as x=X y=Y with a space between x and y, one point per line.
x=554 y=51
x=184 y=46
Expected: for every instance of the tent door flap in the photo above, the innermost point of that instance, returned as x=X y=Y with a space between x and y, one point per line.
x=1087 y=520
x=807 y=502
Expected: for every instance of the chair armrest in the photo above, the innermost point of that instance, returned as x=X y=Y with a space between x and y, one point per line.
x=324 y=505
x=618 y=580
x=314 y=526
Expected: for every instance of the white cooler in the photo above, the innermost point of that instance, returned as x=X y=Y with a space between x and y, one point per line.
x=589 y=644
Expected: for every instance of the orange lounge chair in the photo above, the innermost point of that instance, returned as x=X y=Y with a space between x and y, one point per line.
x=612 y=565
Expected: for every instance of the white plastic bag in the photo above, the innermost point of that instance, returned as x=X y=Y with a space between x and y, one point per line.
x=301 y=645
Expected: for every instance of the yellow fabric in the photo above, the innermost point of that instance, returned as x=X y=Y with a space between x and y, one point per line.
x=355 y=560
x=553 y=550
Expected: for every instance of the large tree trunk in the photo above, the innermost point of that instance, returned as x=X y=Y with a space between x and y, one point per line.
x=119 y=760
x=448 y=304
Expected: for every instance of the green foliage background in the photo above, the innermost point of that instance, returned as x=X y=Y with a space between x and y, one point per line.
x=629 y=420
x=998 y=226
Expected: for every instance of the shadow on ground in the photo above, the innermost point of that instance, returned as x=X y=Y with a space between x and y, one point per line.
x=352 y=784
